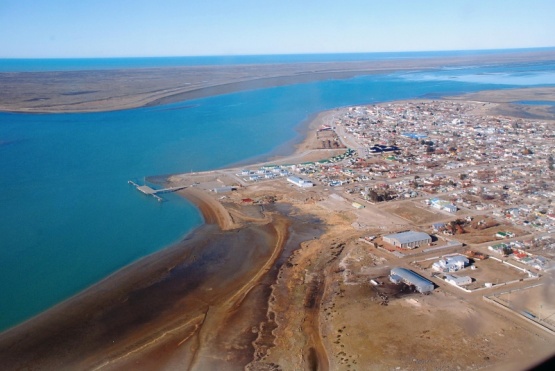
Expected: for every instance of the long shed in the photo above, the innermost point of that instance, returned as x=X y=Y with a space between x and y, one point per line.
x=409 y=277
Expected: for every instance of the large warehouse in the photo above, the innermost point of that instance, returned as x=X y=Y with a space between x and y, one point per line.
x=408 y=239
x=407 y=276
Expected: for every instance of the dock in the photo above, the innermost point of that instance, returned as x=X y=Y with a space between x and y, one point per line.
x=154 y=192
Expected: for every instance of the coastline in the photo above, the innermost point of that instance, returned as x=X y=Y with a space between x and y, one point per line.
x=154 y=288
x=298 y=147
x=141 y=306
x=77 y=313
x=110 y=90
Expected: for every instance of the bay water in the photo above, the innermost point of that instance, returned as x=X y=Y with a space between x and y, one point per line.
x=68 y=218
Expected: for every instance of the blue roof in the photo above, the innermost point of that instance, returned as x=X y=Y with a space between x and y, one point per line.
x=415 y=135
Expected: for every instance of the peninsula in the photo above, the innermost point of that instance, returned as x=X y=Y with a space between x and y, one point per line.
x=109 y=90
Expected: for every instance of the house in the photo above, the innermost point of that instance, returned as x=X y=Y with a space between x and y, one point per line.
x=443 y=205
x=451 y=263
x=504 y=235
x=438 y=227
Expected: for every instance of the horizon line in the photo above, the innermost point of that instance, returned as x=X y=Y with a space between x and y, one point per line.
x=290 y=54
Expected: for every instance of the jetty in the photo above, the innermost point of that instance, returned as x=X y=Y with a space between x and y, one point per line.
x=154 y=192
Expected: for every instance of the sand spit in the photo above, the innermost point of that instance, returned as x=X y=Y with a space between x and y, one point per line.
x=164 y=309
x=503 y=102
x=109 y=90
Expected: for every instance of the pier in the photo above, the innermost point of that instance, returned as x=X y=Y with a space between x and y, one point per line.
x=154 y=192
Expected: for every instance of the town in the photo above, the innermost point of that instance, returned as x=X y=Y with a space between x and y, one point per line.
x=465 y=186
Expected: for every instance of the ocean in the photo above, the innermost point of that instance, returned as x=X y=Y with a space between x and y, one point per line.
x=68 y=218
x=54 y=64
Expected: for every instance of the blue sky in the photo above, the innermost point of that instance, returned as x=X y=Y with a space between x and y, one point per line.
x=122 y=28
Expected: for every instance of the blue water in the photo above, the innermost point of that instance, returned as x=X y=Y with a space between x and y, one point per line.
x=34 y=65
x=536 y=102
x=68 y=218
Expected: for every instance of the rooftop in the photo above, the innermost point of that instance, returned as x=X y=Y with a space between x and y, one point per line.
x=408 y=236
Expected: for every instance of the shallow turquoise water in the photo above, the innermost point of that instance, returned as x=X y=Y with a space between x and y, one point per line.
x=68 y=217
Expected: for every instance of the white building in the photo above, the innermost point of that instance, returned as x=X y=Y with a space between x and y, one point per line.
x=458 y=281
x=443 y=205
x=300 y=182
x=451 y=263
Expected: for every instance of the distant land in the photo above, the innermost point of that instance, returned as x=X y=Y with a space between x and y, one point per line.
x=110 y=90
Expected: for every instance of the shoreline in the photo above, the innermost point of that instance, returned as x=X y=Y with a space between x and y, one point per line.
x=110 y=300
x=157 y=265
x=214 y=213
x=147 y=280
x=112 y=90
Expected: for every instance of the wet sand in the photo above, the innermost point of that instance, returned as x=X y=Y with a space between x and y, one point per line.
x=176 y=308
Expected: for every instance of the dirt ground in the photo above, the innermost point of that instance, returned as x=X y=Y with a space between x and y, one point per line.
x=493 y=271
x=328 y=311
x=416 y=214
x=475 y=236
x=536 y=300
x=412 y=331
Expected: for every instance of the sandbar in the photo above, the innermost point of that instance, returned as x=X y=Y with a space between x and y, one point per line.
x=109 y=90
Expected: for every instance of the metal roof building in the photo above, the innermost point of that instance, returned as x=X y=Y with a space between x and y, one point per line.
x=409 y=277
x=408 y=240
x=299 y=181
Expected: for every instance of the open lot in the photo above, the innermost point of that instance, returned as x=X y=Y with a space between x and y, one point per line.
x=537 y=301
x=415 y=213
x=477 y=236
x=492 y=271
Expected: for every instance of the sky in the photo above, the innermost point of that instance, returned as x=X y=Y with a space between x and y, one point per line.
x=136 y=28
